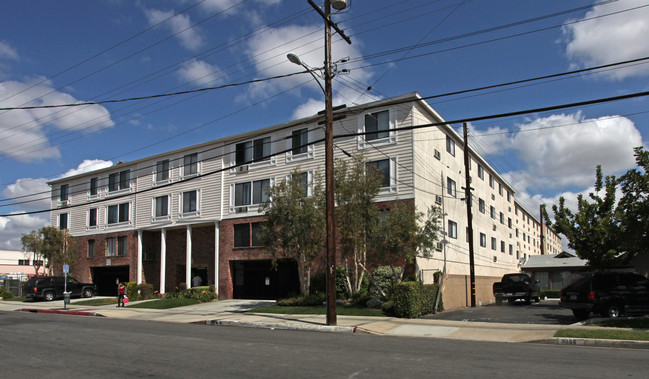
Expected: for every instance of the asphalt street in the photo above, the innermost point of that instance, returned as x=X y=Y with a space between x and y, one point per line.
x=56 y=346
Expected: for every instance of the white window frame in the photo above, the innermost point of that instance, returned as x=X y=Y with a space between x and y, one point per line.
x=97 y=188
x=120 y=190
x=392 y=187
x=191 y=214
x=309 y=183
x=450 y=145
x=392 y=135
x=155 y=218
x=199 y=166
x=249 y=207
x=157 y=182
x=252 y=165
x=58 y=220
x=119 y=223
x=452 y=229
x=310 y=149
x=88 y=226
x=453 y=191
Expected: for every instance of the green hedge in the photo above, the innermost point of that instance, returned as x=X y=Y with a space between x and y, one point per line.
x=412 y=299
x=550 y=294
x=203 y=294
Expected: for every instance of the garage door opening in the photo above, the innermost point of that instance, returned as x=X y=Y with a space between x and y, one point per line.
x=107 y=278
x=260 y=280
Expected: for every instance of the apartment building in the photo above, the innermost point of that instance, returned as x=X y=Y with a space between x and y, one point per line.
x=194 y=211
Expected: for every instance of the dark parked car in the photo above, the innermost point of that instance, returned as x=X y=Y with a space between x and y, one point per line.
x=608 y=293
x=51 y=287
x=517 y=286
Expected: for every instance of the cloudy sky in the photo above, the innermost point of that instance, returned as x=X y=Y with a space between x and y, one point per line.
x=78 y=51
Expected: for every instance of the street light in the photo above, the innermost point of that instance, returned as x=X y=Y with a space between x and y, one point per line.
x=295 y=59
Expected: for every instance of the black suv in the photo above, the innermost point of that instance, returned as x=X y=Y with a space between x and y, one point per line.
x=608 y=293
x=51 y=287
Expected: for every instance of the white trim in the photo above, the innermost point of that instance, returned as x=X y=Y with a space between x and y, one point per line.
x=309 y=154
x=193 y=214
x=199 y=166
x=392 y=135
x=155 y=218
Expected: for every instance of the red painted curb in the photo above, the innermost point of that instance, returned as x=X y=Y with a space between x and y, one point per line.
x=60 y=311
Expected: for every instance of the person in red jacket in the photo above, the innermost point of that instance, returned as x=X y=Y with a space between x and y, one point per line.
x=121 y=291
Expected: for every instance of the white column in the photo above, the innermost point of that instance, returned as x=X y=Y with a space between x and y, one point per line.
x=139 y=257
x=188 y=262
x=163 y=260
x=217 y=249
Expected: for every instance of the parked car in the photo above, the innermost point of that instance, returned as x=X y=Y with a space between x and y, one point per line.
x=608 y=293
x=49 y=288
x=517 y=286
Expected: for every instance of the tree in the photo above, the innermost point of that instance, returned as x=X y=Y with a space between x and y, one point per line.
x=402 y=235
x=594 y=230
x=32 y=245
x=53 y=245
x=294 y=226
x=357 y=185
x=634 y=206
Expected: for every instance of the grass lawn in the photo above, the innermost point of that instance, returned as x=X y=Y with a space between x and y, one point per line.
x=102 y=301
x=164 y=303
x=342 y=310
x=612 y=334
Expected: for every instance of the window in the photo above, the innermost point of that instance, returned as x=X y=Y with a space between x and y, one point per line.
x=511 y=250
x=37 y=262
x=516 y=232
x=509 y=198
x=381 y=167
x=91 y=248
x=23 y=262
x=253 y=151
x=483 y=240
x=302 y=179
x=300 y=139
x=93 y=186
x=500 y=188
x=189 y=202
x=255 y=233
x=502 y=218
x=480 y=172
x=450 y=184
x=162 y=171
x=491 y=181
x=493 y=212
x=119 y=181
x=379 y=124
x=64 y=192
x=249 y=193
x=481 y=205
x=111 y=246
x=63 y=221
x=92 y=218
x=190 y=164
x=161 y=206
x=242 y=235
x=509 y=222
x=118 y=213
x=494 y=244
x=121 y=245
x=502 y=246
x=450 y=145
x=452 y=229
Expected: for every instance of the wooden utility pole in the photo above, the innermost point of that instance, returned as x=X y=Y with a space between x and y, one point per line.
x=469 y=216
x=542 y=233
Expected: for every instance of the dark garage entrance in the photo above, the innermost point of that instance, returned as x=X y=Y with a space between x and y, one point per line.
x=260 y=280
x=107 y=278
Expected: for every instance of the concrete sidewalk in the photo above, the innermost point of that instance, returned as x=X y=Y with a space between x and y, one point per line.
x=233 y=313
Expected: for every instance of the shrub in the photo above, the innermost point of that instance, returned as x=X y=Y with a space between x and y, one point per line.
x=312 y=299
x=204 y=294
x=428 y=295
x=145 y=291
x=551 y=294
x=318 y=282
x=384 y=277
x=407 y=299
x=388 y=308
x=6 y=294
x=131 y=291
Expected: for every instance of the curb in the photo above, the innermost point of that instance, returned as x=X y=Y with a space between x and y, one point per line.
x=629 y=344
x=60 y=311
x=273 y=326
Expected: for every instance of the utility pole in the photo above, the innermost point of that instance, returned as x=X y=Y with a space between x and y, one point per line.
x=469 y=216
x=542 y=234
x=329 y=156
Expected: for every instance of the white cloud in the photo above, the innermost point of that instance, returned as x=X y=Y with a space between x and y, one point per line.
x=268 y=50
x=199 y=72
x=190 y=37
x=32 y=194
x=86 y=166
x=610 y=39
x=12 y=228
x=22 y=132
x=7 y=52
x=309 y=108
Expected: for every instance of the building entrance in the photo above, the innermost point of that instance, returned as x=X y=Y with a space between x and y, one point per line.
x=258 y=279
x=107 y=278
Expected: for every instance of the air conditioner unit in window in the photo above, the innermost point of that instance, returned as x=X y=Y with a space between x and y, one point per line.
x=437 y=154
x=65 y=203
x=240 y=209
x=243 y=168
x=438 y=199
x=495 y=258
x=494 y=227
x=439 y=246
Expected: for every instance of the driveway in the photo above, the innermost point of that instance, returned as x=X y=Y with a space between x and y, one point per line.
x=547 y=312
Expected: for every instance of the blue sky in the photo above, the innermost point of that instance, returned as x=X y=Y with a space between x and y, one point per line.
x=77 y=51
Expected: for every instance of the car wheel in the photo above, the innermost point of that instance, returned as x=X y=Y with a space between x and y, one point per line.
x=87 y=292
x=499 y=301
x=48 y=296
x=537 y=299
x=581 y=314
x=528 y=300
x=612 y=310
